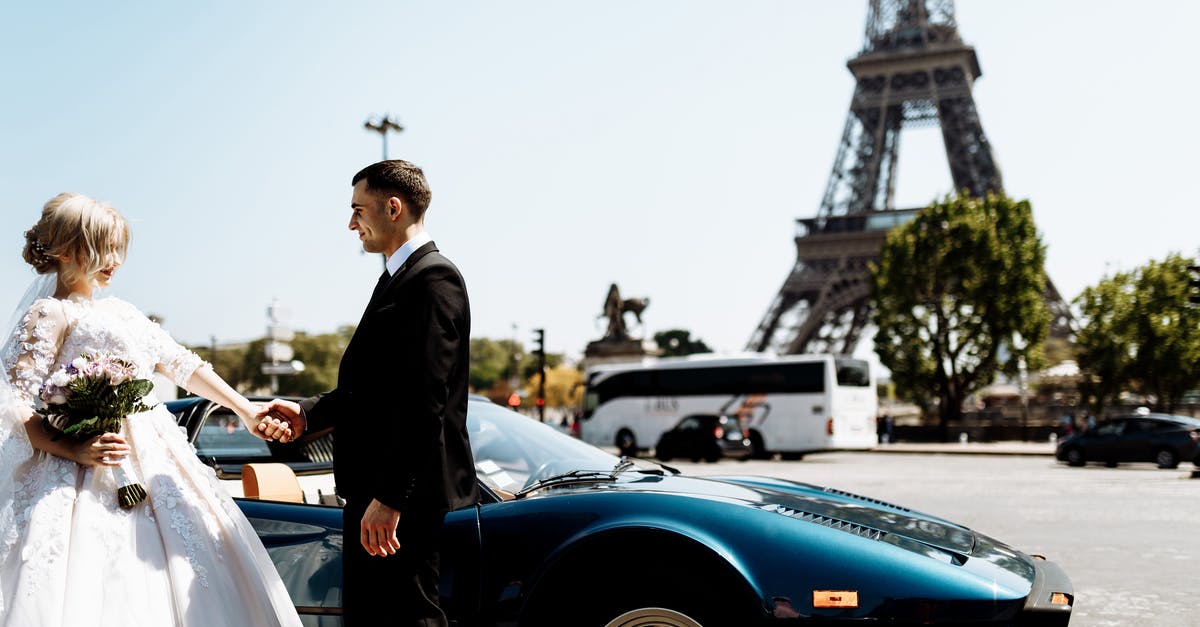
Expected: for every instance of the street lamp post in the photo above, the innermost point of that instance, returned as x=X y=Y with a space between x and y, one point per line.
x=382 y=125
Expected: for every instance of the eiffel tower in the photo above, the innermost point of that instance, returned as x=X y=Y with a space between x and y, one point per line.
x=914 y=70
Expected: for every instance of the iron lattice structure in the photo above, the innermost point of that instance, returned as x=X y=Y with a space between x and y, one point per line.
x=913 y=70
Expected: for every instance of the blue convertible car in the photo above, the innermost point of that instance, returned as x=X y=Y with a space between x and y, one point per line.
x=566 y=534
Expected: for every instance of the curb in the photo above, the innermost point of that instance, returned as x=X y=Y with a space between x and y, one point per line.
x=966 y=449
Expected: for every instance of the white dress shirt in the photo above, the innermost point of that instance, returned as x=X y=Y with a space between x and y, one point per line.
x=404 y=252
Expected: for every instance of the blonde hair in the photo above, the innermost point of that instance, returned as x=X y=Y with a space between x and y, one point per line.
x=90 y=232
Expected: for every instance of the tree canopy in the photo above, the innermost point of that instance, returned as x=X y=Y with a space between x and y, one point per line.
x=1139 y=334
x=679 y=343
x=958 y=295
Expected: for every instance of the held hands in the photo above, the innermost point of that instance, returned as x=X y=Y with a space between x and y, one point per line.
x=264 y=426
x=280 y=420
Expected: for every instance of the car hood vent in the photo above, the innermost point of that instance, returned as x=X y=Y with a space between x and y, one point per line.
x=860 y=497
x=860 y=512
x=826 y=521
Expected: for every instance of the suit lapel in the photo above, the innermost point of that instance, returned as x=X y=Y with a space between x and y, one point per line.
x=412 y=260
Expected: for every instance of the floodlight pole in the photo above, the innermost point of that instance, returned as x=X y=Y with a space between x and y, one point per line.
x=382 y=125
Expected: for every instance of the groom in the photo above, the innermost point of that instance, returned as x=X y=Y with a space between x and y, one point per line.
x=401 y=453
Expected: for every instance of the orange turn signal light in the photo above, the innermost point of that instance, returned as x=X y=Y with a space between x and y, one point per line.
x=835 y=598
x=1059 y=598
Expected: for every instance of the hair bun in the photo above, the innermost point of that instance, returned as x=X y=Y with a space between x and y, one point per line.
x=37 y=254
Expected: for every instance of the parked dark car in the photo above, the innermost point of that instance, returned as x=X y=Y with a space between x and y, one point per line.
x=704 y=436
x=1164 y=439
x=222 y=442
x=567 y=534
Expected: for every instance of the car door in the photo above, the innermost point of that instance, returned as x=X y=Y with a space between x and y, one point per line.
x=460 y=563
x=1105 y=440
x=1137 y=443
x=693 y=436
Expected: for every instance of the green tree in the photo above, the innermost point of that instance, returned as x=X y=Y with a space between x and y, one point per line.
x=958 y=299
x=227 y=362
x=679 y=343
x=241 y=366
x=493 y=362
x=1166 y=332
x=321 y=354
x=564 y=386
x=1139 y=334
x=1103 y=341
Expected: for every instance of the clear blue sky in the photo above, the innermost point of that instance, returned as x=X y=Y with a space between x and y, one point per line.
x=666 y=146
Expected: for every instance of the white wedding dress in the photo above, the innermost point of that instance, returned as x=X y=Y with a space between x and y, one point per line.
x=69 y=555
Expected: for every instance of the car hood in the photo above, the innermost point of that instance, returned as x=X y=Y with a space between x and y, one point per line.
x=815 y=504
x=943 y=541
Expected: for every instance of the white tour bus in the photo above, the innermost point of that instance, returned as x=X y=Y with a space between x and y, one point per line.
x=791 y=405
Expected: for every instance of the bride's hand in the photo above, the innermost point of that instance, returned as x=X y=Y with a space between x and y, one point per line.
x=103 y=450
x=267 y=427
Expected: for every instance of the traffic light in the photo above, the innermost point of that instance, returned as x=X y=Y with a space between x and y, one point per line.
x=1194 y=284
x=539 y=349
x=539 y=346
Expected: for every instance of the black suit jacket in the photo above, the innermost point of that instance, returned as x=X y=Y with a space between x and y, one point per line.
x=399 y=411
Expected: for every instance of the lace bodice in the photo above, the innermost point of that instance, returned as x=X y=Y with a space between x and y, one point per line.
x=56 y=331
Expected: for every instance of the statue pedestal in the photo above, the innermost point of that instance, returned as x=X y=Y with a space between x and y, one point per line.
x=609 y=351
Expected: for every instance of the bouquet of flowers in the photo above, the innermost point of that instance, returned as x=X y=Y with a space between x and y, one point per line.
x=89 y=397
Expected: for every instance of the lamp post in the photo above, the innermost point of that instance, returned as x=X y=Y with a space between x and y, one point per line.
x=382 y=125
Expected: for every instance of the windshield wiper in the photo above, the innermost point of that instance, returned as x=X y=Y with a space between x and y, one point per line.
x=625 y=464
x=587 y=476
x=628 y=462
x=575 y=476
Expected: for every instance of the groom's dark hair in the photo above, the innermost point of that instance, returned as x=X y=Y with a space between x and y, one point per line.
x=398 y=177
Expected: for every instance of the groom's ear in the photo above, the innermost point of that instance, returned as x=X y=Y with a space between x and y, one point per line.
x=394 y=207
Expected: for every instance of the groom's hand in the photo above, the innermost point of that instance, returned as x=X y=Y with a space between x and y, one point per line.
x=378 y=529
x=282 y=420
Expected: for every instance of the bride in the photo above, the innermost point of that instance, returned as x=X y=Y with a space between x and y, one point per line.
x=69 y=553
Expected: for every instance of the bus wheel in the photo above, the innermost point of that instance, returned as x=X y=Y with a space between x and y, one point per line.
x=757 y=449
x=626 y=443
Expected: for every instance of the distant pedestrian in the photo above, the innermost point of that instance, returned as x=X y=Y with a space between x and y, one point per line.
x=883 y=428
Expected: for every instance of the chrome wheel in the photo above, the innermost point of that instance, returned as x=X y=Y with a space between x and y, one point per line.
x=653 y=617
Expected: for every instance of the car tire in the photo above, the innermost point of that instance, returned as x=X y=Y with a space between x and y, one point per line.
x=1166 y=458
x=626 y=443
x=662 y=454
x=1075 y=456
x=687 y=578
x=653 y=617
x=675 y=608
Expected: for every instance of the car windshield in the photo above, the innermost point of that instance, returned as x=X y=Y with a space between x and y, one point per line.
x=223 y=435
x=513 y=451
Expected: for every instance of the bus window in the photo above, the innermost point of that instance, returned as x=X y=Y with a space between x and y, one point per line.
x=853 y=372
